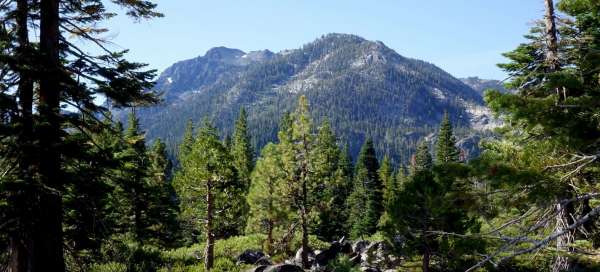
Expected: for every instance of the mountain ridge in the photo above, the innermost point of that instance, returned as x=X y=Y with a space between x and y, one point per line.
x=363 y=87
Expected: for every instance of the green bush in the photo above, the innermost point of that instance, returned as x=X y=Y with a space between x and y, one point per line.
x=108 y=267
x=190 y=258
x=342 y=264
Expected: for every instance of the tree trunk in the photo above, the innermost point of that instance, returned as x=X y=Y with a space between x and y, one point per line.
x=48 y=249
x=269 y=246
x=303 y=209
x=208 y=253
x=305 y=248
x=426 y=257
x=20 y=237
x=551 y=36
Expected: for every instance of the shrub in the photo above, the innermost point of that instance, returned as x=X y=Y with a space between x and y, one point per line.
x=108 y=267
x=342 y=264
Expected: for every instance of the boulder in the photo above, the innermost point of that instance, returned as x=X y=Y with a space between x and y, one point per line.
x=252 y=257
x=284 y=268
x=379 y=254
x=359 y=246
x=263 y=261
x=325 y=256
x=298 y=257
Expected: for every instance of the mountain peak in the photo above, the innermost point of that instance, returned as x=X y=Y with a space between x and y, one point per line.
x=222 y=52
x=336 y=38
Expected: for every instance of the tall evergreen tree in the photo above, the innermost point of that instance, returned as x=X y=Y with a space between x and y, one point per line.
x=188 y=140
x=243 y=160
x=446 y=150
x=422 y=159
x=325 y=156
x=163 y=206
x=425 y=208
x=47 y=138
x=203 y=183
x=556 y=81
x=268 y=207
x=365 y=202
x=388 y=179
x=295 y=147
x=133 y=181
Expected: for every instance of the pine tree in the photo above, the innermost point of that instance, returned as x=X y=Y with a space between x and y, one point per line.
x=422 y=160
x=431 y=201
x=556 y=85
x=329 y=183
x=243 y=160
x=365 y=202
x=267 y=199
x=446 y=150
x=37 y=245
x=387 y=179
x=203 y=183
x=296 y=147
x=188 y=140
x=163 y=208
x=134 y=176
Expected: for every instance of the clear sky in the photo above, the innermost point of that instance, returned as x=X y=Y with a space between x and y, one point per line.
x=464 y=37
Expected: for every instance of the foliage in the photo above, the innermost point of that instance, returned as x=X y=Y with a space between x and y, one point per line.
x=342 y=264
x=365 y=201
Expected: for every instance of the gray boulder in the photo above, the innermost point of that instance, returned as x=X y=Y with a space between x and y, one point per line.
x=252 y=257
x=359 y=246
x=298 y=257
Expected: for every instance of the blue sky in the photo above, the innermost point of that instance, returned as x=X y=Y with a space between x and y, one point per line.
x=464 y=37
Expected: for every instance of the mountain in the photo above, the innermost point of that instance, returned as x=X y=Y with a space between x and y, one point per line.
x=363 y=87
x=481 y=85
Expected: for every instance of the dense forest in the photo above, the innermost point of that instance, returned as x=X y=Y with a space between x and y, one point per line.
x=364 y=88
x=81 y=191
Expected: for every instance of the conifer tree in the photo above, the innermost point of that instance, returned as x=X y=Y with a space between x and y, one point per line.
x=365 y=202
x=134 y=176
x=296 y=144
x=387 y=179
x=390 y=190
x=203 y=183
x=329 y=183
x=39 y=121
x=163 y=207
x=243 y=160
x=556 y=81
x=267 y=199
x=446 y=150
x=188 y=140
x=422 y=159
x=428 y=204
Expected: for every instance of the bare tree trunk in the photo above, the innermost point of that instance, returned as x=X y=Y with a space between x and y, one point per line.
x=48 y=249
x=551 y=36
x=209 y=250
